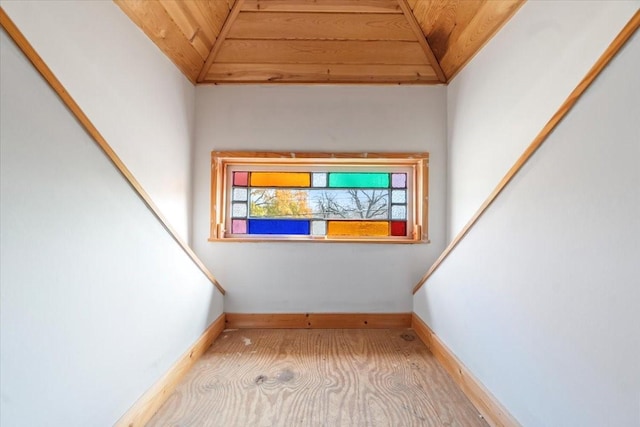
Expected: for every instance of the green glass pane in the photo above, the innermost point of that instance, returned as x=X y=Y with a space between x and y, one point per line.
x=358 y=180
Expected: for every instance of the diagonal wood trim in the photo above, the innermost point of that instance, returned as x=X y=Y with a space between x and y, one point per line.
x=318 y=320
x=629 y=29
x=491 y=409
x=75 y=109
x=149 y=403
x=422 y=40
x=233 y=14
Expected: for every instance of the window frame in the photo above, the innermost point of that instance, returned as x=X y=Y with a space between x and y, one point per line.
x=221 y=160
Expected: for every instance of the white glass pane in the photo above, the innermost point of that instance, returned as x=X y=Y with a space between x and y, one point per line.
x=398 y=196
x=319 y=180
x=240 y=194
x=318 y=228
x=398 y=212
x=239 y=210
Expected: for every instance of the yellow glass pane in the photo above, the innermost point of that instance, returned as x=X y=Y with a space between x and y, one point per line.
x=358 y=228
x=280 y=179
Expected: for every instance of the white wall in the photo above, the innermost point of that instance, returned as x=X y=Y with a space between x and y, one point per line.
x=508 y=92
x=130 y=90
x=313 y=277
x=97 y=300
x=541 y=299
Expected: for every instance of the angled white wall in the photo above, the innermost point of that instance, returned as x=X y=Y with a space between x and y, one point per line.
x=511 y=88
x=97 y=300
x=318 y=277
x=132 y=92
x=540 y=300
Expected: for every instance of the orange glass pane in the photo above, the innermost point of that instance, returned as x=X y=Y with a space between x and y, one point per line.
x=280 y=179
x=358 y=228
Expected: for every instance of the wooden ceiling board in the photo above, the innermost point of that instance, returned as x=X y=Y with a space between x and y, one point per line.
x=191 y=29
x=330 y=6
x=490 y=17
x=202 y=18
x=228 y=22
x=321 y=51
x=427 y=12
x=401 y=41
x=422 y=40
x=321 y=26
x=156 y=23
x=320 y=73
x=439 y=19
x=217 y=12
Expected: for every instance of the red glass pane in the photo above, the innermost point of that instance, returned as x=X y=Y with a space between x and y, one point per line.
x=398 y=228
x=240 y=179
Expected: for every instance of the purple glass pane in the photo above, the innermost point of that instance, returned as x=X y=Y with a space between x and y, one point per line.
x=399 y=180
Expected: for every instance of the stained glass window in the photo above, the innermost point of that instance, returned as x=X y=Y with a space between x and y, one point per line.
x=320 y=199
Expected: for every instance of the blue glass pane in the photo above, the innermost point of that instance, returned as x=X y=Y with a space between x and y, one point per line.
x=278 y=226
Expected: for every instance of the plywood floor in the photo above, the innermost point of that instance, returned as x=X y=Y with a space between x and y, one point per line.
x=317 y=377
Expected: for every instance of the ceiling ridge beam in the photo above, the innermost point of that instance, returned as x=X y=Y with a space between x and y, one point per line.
x=422 y=40
x=233 y=14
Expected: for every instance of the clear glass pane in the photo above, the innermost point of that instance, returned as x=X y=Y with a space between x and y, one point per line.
x=319 y=179
x=319 y=228
x=319 y=203
x=399 y=196
x=240 y=194
x=239 y=210
x=398 y=212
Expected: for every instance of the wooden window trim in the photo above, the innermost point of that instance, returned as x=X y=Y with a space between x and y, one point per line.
x=220 y=160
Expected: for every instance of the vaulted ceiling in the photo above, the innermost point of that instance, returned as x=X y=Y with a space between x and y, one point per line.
x=320 y=41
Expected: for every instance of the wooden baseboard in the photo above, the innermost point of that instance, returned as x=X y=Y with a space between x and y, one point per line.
x=145 y=407
x=319 y=320
x=492 y=411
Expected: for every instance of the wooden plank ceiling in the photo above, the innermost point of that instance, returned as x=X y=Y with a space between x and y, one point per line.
x=320 y=41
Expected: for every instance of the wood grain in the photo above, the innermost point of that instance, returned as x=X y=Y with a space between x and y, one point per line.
x=490 y=408
x=490 y=17
x=318 y=73
x=228 y=23
x=319 y=320
x=424 y=44
x=82 y=118
x=145 y=407
x=156 y=23
x=625 y=34
x=329 y=6
x=192 y=23
x=313 y=52
x=321 y=26
x=457 y=29
x=442 y=20
x=215 y=11
x=311 y=156
x=317 y=377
